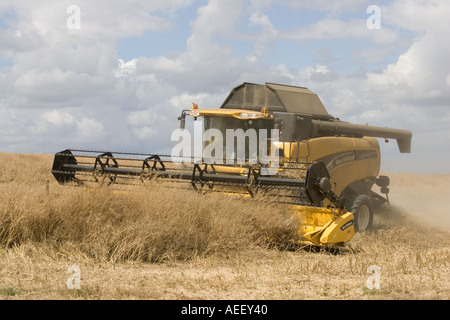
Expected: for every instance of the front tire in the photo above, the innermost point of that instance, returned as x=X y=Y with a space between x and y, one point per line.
x=362 y=209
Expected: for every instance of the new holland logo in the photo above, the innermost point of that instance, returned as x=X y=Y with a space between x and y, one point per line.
x=337 y=159
x=348 y=224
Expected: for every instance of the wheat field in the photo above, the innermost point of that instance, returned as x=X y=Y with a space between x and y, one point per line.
x=152 y=242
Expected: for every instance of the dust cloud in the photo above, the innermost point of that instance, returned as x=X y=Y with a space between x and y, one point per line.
x=420 y=198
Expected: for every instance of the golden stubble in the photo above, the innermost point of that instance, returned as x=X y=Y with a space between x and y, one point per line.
x=152 y=242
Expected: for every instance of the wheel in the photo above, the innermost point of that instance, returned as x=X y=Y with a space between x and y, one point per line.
x=362 y=209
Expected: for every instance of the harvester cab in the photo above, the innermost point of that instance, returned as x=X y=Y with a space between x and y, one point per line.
x=275 y=140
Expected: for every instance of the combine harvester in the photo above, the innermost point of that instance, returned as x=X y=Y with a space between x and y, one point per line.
x=322 y=167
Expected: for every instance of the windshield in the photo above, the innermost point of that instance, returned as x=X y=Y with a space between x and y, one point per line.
x=235 y=140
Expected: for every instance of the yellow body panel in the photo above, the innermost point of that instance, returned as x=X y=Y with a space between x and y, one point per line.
x=347 y=159
x=340 y=230
x=323 y=226
x=312 y=218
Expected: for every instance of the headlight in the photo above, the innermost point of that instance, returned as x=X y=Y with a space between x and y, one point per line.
x=250 y=115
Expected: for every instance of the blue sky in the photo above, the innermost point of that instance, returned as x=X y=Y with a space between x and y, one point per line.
x=159 y=43
x=336 y=52
x=130 y=68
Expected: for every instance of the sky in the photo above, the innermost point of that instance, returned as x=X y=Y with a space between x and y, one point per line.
x=115 y=75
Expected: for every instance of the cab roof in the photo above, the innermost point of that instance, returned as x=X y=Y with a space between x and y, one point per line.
x=276 y=98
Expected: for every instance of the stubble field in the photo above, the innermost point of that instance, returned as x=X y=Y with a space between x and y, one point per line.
x=150 y=242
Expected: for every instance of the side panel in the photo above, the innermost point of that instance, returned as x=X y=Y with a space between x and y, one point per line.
x=322 y=226
x=339 y=231
x=347 y=159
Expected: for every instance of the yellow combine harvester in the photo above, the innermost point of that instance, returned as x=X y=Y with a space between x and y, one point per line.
x=274 y=140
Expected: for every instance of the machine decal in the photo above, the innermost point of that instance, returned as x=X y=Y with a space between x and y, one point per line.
x=334 y=160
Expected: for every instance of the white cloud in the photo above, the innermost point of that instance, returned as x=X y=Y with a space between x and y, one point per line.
x=332 y=28
x=89 y=129
x=58 y=118
x=68 y=87
x=332 y=6
x=187 y=100
x=419 y=76
x=218 y=18
x=145 y=133
x=125 y=69
x=55 y=86
x=17 y=41
x=268 y=34
x=142 y=118
x=321 y=73
x=163 y=64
